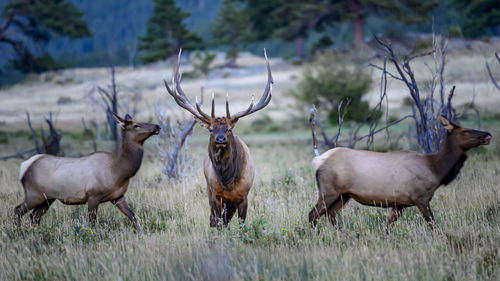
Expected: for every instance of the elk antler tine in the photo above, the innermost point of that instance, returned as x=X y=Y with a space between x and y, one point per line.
x=213 y=105
x=264 y=99
x=228 y=115
x=168 y=88
x=198 y=107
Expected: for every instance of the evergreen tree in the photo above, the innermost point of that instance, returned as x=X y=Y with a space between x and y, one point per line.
x=31 y=24
x=231 y=27
x=166 y=33
x=407 y=12
x=478 y=17
x=292 y=20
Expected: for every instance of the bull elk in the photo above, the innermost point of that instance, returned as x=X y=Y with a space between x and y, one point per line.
x=228 y=167
x=396 y=180
x=93 y=179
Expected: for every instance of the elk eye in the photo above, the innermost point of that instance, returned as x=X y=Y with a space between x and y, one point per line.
x=136 y=126
x=210 y=130
x=230 y=129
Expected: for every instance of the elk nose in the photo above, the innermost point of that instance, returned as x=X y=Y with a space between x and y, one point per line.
x=220 y=139
x=156 y=130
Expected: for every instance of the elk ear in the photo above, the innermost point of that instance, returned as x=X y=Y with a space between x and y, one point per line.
x=128 y=117
x=446 y=123
x=119 y=120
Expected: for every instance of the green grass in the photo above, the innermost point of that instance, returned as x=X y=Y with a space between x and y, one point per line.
x=276 y=243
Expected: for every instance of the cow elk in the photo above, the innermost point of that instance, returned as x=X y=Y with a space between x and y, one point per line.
x=228 y=167
x=93 y=179
x=396 y=180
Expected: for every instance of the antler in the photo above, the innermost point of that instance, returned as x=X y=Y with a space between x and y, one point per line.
x=264 y=100
x=181 y=98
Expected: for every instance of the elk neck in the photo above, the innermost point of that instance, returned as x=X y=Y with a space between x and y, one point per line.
x=228 y=162
x=129 y=157
x=447 y=163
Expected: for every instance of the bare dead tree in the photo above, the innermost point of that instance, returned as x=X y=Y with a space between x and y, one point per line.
x=109 y=98
x=372 y=119
x=175 y=141
x=493 y=80
x=114 y=99
x=38 y=148
x=425 y=108
x=312 y=121
x=50 y=143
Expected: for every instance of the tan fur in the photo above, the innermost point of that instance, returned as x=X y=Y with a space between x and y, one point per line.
x=93 y=179
x=397 y=180
x=26 y=164
x=238 y=190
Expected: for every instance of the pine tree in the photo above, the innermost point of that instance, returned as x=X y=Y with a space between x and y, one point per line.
x=231 y=27
x=407 y=12
x=166 y=33
x=478 y=17
x=293 y=20
x=31 y=24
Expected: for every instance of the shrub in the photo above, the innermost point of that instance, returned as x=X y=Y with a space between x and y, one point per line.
x=202 y=62
x=327 y=81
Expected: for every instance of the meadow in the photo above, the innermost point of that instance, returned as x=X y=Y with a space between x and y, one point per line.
x=275 y=243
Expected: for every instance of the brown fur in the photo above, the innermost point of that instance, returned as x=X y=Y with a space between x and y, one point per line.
x=228 y=168
x=396 y=180
x=93 y=179
x=229 y=173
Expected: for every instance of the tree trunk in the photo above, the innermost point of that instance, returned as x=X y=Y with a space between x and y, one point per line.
x=357 y=23
x=299 y=47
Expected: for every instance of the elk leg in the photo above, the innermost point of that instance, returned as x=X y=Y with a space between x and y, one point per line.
x=393 y=217
x=122 y=205
x=425 y=209
x=215 y=213
x=242 y=211
x=229 y=210
x=336 y=207
x=24 y=207
x=40 y=210
x=92 y=205
x=321 y=207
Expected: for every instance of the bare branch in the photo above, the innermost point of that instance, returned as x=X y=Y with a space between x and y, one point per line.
x=491 y=75
x=385 y=127
x=35 y=140
x=341 y=120
x=312 y=121
x=388 y=73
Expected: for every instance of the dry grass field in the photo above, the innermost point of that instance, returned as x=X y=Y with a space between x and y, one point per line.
x=276 y=243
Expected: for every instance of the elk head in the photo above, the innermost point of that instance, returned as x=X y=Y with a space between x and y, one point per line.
x=220 y=128
x=465 y=138
x=136 y=131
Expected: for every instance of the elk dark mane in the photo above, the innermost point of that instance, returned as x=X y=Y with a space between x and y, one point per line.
x=453 y=173
x=228 y=163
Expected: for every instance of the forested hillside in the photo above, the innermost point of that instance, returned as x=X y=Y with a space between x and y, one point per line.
x=115 y=26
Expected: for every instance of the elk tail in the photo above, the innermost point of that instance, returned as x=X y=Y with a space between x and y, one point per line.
x=27 y=164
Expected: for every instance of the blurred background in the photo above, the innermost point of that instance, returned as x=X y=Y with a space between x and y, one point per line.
x=65 y=65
